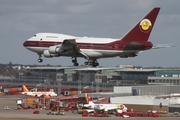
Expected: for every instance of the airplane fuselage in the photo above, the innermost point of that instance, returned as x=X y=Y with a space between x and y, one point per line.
x=91 y=48
x=40 y=93
x=106 y=107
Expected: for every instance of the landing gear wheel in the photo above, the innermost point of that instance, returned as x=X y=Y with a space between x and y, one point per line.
x=40 y=60
x=91 y=62
x=75 y=61
x=97 y=64
x=76 y=64
x=94 y=64
x=86 y=62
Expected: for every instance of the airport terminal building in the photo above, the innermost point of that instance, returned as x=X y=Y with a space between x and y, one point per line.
x=125 y=82
x=96 y=78
x=116 y=75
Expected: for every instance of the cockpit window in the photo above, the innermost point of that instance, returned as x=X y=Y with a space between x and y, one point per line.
x=34 y=35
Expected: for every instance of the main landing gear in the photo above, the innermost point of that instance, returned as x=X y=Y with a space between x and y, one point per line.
x=74 y=60
x=40 y=60
x=92 y=62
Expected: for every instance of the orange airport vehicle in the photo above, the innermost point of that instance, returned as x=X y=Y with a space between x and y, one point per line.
x=31 y=102
x=12 y=91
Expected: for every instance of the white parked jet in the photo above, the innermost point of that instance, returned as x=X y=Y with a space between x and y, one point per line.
x=54 y=45
x=106 y=107
x=38 y=94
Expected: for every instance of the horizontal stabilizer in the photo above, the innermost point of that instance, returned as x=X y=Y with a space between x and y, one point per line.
x=157 y=46
x=134 y=46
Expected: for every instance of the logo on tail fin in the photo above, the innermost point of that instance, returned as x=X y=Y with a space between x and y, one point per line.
x=25 y=88
x=145 y=25
x=139 y=31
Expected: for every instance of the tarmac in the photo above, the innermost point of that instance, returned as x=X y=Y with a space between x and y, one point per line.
x=14 y=114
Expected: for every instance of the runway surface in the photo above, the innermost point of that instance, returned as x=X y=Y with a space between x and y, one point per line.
x=14 y=114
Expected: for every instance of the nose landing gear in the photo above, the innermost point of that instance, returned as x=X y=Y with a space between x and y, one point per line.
x=40 y=60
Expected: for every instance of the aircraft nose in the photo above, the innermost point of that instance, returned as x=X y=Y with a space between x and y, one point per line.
x=25 y=44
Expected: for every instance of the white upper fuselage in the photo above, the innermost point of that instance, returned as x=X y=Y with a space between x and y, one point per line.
x=106 y=107
x=53 y=94
x=92 y=47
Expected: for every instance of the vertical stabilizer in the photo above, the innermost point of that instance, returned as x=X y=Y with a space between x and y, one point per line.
x=142 y=30
x=25 y=88
x=88 y=99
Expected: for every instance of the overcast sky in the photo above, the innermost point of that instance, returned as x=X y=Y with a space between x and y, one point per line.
x=21 y=19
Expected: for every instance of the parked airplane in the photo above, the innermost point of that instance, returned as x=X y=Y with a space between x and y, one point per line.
x=55 y=45
x=38 y=94
x=106 y=107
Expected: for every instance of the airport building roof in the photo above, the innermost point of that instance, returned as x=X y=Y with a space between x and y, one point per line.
x=92 y=69
x=48 y=68
x=136 y=70
x=80 y=68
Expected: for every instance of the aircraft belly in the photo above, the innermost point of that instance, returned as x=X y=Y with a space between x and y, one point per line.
x=37 y=49
x=110 y=53
x=92 y=53
x=101 y=53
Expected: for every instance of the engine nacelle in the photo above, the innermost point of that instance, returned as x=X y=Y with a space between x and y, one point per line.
x=49 y=55
x=54 y=49
x=128 y=55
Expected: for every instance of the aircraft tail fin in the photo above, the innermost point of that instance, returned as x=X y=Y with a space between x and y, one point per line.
x=25 y=88
x=88 y=99
x=142 y=30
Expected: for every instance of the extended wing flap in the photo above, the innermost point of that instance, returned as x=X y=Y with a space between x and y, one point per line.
x=69 y=42
x=70 y=46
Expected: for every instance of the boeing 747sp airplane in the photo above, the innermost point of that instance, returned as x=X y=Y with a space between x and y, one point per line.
x=55 y=45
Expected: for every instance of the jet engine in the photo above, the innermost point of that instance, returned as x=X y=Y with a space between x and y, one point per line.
x=54 y=49
x=47 y=54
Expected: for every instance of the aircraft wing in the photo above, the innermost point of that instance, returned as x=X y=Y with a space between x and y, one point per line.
x=87 y=106
x=39 y=95
x=69 y=46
